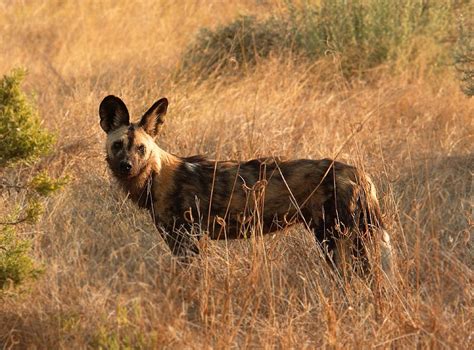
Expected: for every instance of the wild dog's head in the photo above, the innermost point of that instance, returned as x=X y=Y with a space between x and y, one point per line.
x=129 y=145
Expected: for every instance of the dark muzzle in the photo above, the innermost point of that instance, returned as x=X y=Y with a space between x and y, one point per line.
x=125 y=167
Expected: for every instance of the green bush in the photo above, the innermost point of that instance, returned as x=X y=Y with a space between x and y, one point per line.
x=44 y=185
x=367 y=33
x=362 y=33
x=124 y=334
x=464 y=54
x=236 y=46
x=21 y=136
x=22 y=140
x=16 y=265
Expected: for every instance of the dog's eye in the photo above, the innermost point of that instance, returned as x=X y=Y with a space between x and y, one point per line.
x=117 y=145
x=141 y=149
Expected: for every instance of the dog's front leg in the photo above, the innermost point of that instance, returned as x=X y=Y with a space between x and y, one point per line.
x=180 y=240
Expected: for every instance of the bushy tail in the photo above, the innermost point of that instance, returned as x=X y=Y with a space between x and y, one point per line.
x=372 y=227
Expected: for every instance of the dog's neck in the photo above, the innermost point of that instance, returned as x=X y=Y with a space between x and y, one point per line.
x=140 y=187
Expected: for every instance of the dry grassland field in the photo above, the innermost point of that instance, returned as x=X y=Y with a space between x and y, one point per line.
x=296 y=79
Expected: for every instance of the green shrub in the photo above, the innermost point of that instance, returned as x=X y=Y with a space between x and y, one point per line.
x=362 y=33
x=464 y=54
x=16 y=265
x=236 y=45
x=22 y=140
x=124 y=334
x=44 y=185
x=21 y=135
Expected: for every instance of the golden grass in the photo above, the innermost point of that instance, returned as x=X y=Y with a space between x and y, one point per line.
x=110 y=281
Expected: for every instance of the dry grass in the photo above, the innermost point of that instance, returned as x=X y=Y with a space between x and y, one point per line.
x=110 y=281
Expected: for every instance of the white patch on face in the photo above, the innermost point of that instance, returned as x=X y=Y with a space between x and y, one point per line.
x=191 y=167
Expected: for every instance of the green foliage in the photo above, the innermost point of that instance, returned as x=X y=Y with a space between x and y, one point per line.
x=21 y=136
x=22 y=140
x=367 y=33
x=237 y=45
x=126 y=335
x=362 y=33
x=122 y=340
x=34 y=209
x=44 y=185
x=464 y=54
x=15 y=262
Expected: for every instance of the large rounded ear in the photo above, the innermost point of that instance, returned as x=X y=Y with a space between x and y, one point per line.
x=153 y=119
x=113 y=113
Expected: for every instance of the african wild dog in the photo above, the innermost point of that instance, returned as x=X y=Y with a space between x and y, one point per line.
x=221 y=198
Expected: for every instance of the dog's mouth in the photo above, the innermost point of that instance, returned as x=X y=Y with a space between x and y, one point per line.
x=123 y=174
x=126 y=175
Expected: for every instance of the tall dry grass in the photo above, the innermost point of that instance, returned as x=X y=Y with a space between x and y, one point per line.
x=109 y=280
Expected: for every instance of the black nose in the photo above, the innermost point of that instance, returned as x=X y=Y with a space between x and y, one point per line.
x=125 y=166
